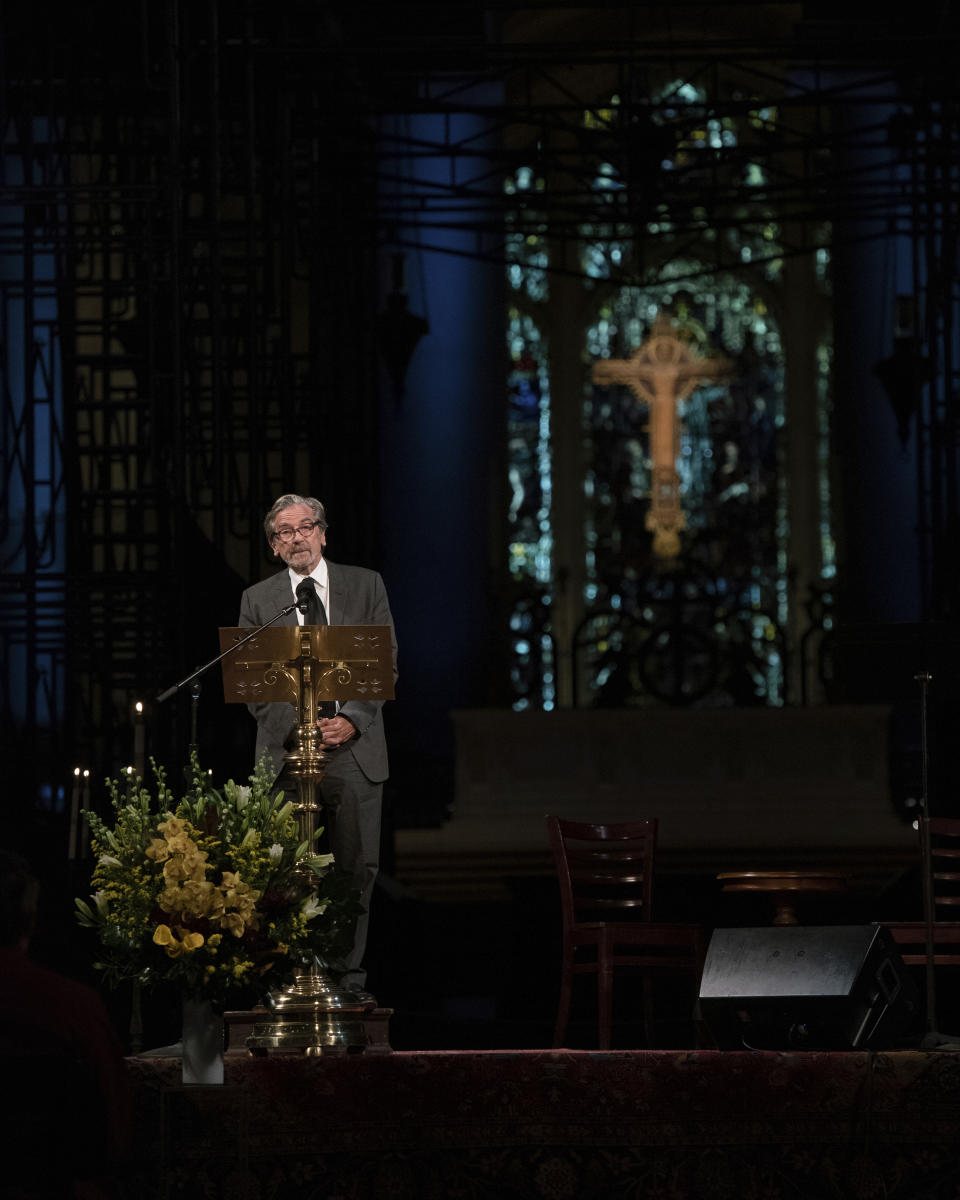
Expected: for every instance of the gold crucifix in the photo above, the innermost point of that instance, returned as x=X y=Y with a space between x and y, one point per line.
x=662 y=371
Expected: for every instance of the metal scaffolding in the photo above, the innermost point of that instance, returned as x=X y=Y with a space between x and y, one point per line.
x=182 y=182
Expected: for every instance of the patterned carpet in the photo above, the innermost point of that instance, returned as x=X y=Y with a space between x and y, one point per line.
x=563 y=1125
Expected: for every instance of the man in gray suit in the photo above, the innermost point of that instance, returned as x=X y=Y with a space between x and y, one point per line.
x=352 y=786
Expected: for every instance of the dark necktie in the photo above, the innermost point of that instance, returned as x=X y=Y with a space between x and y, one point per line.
x=316 y=614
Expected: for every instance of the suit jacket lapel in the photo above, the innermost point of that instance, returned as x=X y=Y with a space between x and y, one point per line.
x=282 y=594
x=338 y=595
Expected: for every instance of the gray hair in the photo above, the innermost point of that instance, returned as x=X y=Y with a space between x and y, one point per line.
x=288 y=501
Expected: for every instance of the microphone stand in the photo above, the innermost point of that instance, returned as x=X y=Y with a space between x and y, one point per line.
x=933 y=1039
x=924 y=679
x=193 y=679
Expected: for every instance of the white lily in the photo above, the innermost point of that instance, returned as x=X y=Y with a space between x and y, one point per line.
x=312 y=907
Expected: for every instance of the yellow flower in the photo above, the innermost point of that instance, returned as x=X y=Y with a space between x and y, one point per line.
x=191 y=941
x=163 y=935
x=241 y=898
x=174 y=869
x=200 y=898
x=233 y=922
x=158 y=849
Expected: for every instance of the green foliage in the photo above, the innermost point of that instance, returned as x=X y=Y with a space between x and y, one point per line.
x=215 y=892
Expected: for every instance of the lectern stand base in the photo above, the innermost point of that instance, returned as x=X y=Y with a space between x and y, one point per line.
x=308 y=1032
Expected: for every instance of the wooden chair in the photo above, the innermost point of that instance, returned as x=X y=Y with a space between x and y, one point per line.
x=911 y=936
x=606 y=875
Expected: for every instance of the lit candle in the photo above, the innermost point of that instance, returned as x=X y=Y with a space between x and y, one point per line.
x=138 y=739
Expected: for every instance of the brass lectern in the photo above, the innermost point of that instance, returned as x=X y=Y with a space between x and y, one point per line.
x=307 y=666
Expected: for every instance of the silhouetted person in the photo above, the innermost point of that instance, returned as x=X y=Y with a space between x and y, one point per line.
x=67 y=1111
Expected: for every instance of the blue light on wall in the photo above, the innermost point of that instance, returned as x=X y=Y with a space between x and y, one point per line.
x=32 y=541
x=439 y=450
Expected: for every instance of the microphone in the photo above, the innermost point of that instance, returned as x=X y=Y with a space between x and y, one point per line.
x=303 y=595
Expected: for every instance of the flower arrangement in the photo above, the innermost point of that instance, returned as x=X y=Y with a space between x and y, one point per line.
x=215 y=892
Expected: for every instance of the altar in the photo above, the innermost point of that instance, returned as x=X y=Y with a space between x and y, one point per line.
x=674 y=1124
x=733 y=789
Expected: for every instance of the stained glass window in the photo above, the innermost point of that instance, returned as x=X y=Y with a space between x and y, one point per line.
x=708 y=626
x=711 y=622
x=529 y=515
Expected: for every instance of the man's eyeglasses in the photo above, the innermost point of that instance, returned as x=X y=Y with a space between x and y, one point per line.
x=304 y=530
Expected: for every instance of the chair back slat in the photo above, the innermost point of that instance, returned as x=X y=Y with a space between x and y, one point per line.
x=605 y=873
x=944 y=852
x=944 y=835
x=604 y=867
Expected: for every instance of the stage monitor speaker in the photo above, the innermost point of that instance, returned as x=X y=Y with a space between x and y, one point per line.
x=832 y=987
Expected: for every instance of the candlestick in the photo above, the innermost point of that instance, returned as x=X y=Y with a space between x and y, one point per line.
x=85 y=827
x=139 y=732
x=74 y=815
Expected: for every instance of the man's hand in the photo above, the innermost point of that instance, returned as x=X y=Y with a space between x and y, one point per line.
x=335 y=730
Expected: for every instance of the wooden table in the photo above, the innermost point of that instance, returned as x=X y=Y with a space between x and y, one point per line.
x=784 y=888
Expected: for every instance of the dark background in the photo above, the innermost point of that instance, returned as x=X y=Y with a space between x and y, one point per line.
x=202 y=205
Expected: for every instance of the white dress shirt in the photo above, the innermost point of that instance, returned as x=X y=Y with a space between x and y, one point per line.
x=319 y=577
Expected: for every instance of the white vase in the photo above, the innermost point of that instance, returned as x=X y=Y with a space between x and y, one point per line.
x=202 y=1042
